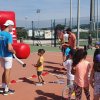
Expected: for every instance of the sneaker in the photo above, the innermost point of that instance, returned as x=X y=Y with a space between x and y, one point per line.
x=5 y=93
x=39 y=84
x=1 y=90
x=11 y=91
x=8 y=92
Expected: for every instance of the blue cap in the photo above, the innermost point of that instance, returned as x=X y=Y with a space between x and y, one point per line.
x=97 y=43
x=97 y=58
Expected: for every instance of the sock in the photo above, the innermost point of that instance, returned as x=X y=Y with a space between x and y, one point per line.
x=6 y=88
x=3 y=85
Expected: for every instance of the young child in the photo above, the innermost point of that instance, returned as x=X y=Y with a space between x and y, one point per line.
x=68 y=66
x=67 y=51
x=97 y=51
x=40 y=65
x=95 y=75
x=81 y=69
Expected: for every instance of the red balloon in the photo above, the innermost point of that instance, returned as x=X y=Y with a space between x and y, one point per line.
x=22 y=50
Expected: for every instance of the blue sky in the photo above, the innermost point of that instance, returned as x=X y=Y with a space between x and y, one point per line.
x=50 y=9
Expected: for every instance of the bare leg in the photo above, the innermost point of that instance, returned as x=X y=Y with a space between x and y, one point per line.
x=3 y=81
x=7 y=77
x=3 y=77
x=41 y=78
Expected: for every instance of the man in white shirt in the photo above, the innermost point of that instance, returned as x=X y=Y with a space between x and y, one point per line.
x=65 y=37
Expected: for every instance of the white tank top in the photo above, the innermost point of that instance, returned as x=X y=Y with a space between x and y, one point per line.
x=65 y=37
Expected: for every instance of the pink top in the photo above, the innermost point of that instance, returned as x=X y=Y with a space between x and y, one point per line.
x=81 y=74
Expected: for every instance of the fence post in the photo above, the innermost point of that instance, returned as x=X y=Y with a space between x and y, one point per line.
x=54 y=33
x=51 y=33
x=33 y=32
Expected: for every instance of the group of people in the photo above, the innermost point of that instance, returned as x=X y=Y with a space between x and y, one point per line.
x=74 y=61
x=80 y=72
x=6 y=58
x=67 y=40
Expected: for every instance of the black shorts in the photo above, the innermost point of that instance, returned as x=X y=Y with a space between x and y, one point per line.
x=39 y=73
x=63 y=50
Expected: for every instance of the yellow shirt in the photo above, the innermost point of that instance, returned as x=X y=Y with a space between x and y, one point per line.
x=41 y=59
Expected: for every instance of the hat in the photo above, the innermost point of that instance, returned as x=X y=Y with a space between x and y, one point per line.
x=97 y=58
x=8 y=22
x=97 y=43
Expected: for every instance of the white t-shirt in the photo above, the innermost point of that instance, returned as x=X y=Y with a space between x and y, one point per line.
x=65 y=37
x=68 y=66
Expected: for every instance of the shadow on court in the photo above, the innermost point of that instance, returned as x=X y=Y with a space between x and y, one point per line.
x=44 y=96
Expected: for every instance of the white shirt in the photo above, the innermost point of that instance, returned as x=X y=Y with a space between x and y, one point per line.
x=68 y=66
x=65 y=37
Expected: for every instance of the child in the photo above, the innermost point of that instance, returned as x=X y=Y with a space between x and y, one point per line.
x=67 y=51
x=81 y=69
x=95 y=76
x=97 y=51
x=68 y=66
x=40 y=66
x=63 y=49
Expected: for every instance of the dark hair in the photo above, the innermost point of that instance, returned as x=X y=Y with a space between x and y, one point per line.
x=97 y=51
x=42 y=51
x=72 y=52
x=68 y=29
x=78 y=56
x=96 y=65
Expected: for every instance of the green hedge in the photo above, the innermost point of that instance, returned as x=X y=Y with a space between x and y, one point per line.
x=84 y=35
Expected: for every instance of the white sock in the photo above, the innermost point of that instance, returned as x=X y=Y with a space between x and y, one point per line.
x=6 y=88
x=3 y=85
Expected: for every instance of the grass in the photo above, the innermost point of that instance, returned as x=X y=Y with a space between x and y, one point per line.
x=91 y=52
x=47 y=48
x=53 y=49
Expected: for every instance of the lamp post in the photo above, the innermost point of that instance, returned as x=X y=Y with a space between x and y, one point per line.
x=33 y=32
x=78 y=22
x=97 y=19
x=26 y=21
x=54 y=33
x=38 y=12
x=92 y=14
x=70 y=13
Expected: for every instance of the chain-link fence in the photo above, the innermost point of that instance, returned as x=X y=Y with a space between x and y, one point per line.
x=44 y=29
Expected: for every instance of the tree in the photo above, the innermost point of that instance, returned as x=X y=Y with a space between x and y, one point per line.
x=59 y=26
x=21 y=32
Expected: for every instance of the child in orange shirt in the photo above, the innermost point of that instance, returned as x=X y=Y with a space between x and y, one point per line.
x=81 y=69
x=40 y=65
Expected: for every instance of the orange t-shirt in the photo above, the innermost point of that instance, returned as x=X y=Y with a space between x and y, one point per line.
x=72 y=41
x=81 y=74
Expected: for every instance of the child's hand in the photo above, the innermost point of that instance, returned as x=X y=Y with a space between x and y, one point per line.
x=34 y=65
x=73 y=71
